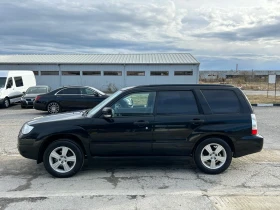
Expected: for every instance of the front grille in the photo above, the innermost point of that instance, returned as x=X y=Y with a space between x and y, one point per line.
x=30 y=99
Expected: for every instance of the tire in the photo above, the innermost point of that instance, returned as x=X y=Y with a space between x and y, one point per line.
x=53 y=108
x=60 y=165
x=210 y=162
x=23 y=107
x=6 y=103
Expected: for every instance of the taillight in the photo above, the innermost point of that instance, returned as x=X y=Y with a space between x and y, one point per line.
x=37 y=98
x=254 y=124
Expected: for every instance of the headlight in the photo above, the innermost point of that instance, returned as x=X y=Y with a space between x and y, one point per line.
x=22 y=99
x=26 y=129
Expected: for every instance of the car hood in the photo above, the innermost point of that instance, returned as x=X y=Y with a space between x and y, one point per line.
x=31 y=95
x=57 y=117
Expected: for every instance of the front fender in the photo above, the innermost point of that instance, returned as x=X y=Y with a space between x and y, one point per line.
x=76 y=132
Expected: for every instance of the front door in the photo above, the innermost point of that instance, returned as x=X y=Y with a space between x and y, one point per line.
x=177 y=118
x=90 y=98
x=129 y=131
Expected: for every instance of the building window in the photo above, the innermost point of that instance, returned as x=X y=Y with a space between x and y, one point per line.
x=18 y=81
x=135 y=73
x=49 y=73
x=112 y=73
x=36 y=73
x=71 y=73
x=159 y=73
x=91 y=73
x=183 y=73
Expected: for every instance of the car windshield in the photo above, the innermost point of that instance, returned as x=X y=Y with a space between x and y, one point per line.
x=102 y=104
x=36 y=90
x=2 y=81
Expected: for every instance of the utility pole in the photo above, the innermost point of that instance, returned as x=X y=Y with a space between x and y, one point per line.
x=236 y=67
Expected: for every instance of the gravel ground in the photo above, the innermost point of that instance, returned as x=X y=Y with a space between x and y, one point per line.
x=251 y=182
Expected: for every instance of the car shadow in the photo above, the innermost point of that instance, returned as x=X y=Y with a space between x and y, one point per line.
x=99 y=164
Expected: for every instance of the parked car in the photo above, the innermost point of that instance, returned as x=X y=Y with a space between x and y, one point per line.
x=211 y=123
x=29 y=96
x=13 y=84
x=69 y=98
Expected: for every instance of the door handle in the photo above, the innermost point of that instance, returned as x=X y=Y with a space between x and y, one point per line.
x=141 y=123
x=197 y=121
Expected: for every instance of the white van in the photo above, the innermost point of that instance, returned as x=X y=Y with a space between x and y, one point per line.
x=13 y=84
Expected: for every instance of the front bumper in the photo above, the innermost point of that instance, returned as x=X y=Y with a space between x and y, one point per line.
x=248 y=145
x=28 y=148
x=26 y=103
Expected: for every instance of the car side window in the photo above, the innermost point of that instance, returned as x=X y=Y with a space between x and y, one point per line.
x=10 y=83
x=176 y=102
x=222 y=101
x=135 y=104
x=88 y=91
x=18 y=81
x=70 y=91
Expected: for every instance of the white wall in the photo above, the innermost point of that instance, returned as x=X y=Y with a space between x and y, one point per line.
x=105 y=82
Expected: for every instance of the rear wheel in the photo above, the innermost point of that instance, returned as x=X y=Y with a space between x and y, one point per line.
x=53 y=108
x=63 y=158
x=213 y=156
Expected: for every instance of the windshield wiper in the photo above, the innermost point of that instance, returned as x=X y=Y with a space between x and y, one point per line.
x=86 y=112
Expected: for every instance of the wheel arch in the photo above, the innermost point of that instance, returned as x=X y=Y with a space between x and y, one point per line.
x=56 y=137
x=219 y=136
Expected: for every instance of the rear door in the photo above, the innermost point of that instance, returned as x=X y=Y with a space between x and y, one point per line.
x=177 y=119
x=70 y=98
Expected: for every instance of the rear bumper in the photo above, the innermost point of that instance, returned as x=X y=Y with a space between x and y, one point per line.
x=248 y=145
x=40 y=106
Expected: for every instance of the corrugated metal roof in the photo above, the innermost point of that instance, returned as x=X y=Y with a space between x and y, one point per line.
x=156 y=58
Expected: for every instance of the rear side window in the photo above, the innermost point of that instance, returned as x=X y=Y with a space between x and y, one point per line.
x=176 y=102
x=222 y=101
x=69 y=91
x=18 y=81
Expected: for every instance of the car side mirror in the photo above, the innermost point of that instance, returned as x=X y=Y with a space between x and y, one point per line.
x=23 y=93
x=107 y=112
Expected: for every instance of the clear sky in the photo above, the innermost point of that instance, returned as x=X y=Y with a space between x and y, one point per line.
x=219 y=33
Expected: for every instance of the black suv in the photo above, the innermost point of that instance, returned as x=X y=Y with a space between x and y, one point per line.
x=211 y=123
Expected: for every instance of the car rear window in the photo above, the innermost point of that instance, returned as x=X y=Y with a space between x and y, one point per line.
x=176 y=102
x=222 y=101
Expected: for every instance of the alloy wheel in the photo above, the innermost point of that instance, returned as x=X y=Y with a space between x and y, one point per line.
x=53 y=108
x=213 y=156
x=62 y=159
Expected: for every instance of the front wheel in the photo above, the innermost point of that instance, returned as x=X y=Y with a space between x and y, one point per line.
x=6 y=103
x=213 y=156
x=63 y=158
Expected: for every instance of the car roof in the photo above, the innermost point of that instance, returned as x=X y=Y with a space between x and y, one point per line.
x=74 y=86
x=181 y=86
x=40 y=86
